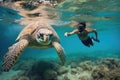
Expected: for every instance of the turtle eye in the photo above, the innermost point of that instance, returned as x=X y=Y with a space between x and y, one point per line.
x=51 y=35
x=40 y=35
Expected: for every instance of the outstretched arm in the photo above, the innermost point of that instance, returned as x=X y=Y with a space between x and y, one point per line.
x=71 y=33
x=13 y=53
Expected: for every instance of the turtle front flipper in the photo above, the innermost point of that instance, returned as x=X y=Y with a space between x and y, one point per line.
x=13 y=53
x=60 y=51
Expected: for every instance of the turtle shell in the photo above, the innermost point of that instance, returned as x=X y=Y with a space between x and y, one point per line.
x=28 y=30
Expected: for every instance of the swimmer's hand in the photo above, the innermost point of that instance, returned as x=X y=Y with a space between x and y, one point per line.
x=66 y=34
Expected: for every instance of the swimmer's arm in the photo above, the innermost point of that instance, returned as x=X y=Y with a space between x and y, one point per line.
x=93 y=30
x=71 y=33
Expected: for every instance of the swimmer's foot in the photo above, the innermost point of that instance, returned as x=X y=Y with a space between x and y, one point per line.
x=97 y=40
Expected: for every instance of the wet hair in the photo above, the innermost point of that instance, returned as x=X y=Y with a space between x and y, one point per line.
x=83 y=23
x=81 y=26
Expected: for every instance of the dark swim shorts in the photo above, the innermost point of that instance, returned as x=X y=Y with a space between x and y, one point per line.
x=88 y=42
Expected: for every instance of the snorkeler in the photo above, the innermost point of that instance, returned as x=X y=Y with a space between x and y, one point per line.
x=82 y=33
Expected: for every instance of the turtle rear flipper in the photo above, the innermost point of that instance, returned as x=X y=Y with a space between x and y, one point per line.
x=60 y=51
x=13 y=53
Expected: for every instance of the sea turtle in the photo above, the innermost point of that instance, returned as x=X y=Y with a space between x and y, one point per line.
x=36 y=35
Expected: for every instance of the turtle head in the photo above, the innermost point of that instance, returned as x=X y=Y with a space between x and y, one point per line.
x=44 y=36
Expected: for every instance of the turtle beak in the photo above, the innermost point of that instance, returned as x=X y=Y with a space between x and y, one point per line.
x=46 y=38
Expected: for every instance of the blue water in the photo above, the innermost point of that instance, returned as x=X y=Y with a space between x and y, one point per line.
x=104 y=18
x=108 y=33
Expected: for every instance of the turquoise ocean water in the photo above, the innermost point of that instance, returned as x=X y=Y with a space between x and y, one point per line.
x=104 y=16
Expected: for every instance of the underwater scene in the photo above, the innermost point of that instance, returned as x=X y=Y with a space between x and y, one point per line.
x=59 y=40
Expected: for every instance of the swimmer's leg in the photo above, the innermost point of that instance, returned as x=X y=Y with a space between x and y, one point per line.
x=93 y=39
x=90 y=41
